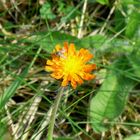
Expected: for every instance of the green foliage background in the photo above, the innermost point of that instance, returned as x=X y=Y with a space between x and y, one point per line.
x=104 y=108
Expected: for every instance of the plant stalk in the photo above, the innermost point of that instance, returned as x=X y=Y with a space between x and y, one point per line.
x=53 y=114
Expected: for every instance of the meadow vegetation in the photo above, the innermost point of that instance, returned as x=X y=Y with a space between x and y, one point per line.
x=104 y=108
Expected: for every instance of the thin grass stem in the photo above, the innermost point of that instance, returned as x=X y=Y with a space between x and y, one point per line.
x=53 y=114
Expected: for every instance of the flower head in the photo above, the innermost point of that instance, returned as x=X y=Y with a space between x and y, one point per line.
x=70 y=65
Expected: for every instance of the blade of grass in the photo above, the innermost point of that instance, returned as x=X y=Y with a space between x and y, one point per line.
x=10 y=91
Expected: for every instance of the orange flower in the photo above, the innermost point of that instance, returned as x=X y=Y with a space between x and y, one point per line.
x=70 y=65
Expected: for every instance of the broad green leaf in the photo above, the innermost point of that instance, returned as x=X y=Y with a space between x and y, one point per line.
x=46 y=11
x=68 y=9
x=119 y=20
x=110 y=100
x=95 y=41
x=118 y=46
x=132 y=2
x=133 y=24
x=10 y=91
x=50 y=40
x=103 y=43
x=103 y=1
x=133 y=137
x=135 y=62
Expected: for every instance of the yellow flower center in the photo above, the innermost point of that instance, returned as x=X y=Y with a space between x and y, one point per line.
x=72 y=65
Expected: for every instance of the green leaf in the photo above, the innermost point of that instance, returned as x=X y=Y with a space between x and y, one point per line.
x=130 y=2
x=10 y=91
x=133 y=137
x=118 y=46
x=119 y=20
x=135 y=62
x=50 y=40
x=95 y=41
x=110 y=100
x=133 y=24
x=68 y=9
x=46 y=11
x=102 y=45
x=103 y=2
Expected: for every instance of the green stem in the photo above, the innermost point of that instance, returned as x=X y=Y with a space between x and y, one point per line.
x=53 y=114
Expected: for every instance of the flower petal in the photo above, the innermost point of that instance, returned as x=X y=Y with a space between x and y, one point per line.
x=57 y=48
x=77 y=78
x=49 y=62
x=89 y=67
x=66 y=47
x=65 y=81
x=71 y=50
x=49 y=68
x=57 y=75
x=73 y=83
x=88 y=76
